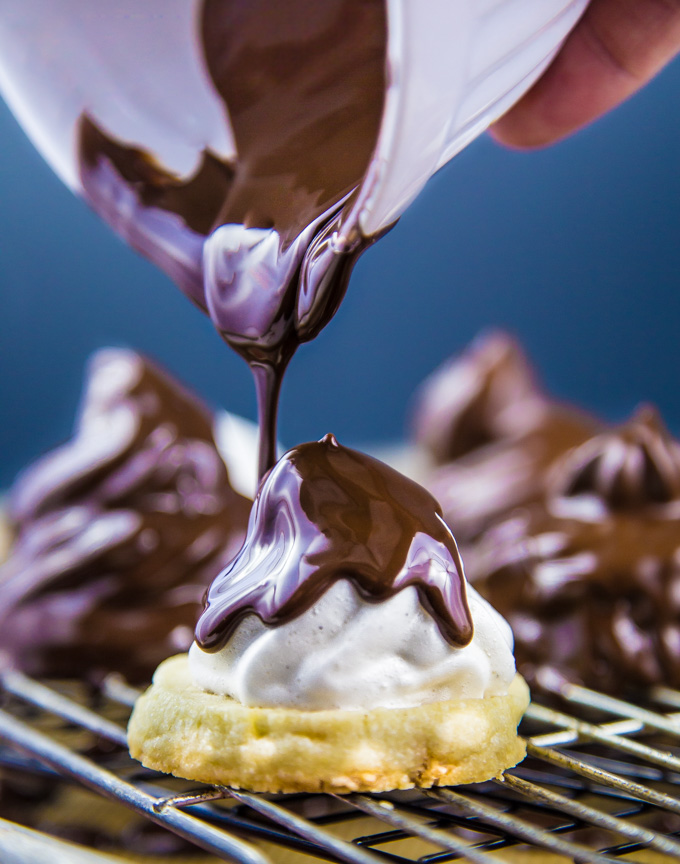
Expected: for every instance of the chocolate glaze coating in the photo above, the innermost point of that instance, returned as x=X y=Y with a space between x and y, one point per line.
x=491 y=432
x=589 y=579
x=323 y=513
x=119 y=531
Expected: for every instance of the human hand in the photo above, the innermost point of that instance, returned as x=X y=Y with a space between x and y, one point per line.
x=616 y=48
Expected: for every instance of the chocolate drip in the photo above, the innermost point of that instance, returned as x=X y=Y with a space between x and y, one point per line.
x=589 y=578
x=324 y=513
x=258 y=244
x=119 y=531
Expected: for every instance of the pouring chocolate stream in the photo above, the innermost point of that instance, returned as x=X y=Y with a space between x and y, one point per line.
x=340 y=112
x=256 y=243
x=263 y=237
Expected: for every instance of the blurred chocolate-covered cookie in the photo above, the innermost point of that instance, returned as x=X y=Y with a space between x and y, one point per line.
x=589 y=577
x=491 y=433
x=118 y=531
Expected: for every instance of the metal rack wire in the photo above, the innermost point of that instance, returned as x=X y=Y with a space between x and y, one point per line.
x=592 y=788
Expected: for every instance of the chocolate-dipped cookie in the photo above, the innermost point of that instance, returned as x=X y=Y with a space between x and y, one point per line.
x=341 y=650
x=118 y=531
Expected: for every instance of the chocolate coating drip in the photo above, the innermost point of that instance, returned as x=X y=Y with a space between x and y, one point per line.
x=589 y=578
x=258 y=244
x=324 y=513
x=119 y=531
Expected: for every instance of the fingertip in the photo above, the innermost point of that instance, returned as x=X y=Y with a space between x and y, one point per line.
x=514 y=133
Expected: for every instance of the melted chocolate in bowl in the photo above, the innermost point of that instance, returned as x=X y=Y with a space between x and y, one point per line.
x=259 y=244
x=324 y=513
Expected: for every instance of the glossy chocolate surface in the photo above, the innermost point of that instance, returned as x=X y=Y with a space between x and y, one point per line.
x=589 y=577
x=257 y=244
x=492 y=433
x=324 y=513
x=119 y=531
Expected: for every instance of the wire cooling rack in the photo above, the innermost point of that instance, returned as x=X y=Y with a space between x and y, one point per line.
x=601 y=780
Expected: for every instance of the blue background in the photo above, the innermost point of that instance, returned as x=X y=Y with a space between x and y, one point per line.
x=576 y=249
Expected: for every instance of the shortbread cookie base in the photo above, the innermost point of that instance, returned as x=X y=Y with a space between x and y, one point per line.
x=179 y=729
